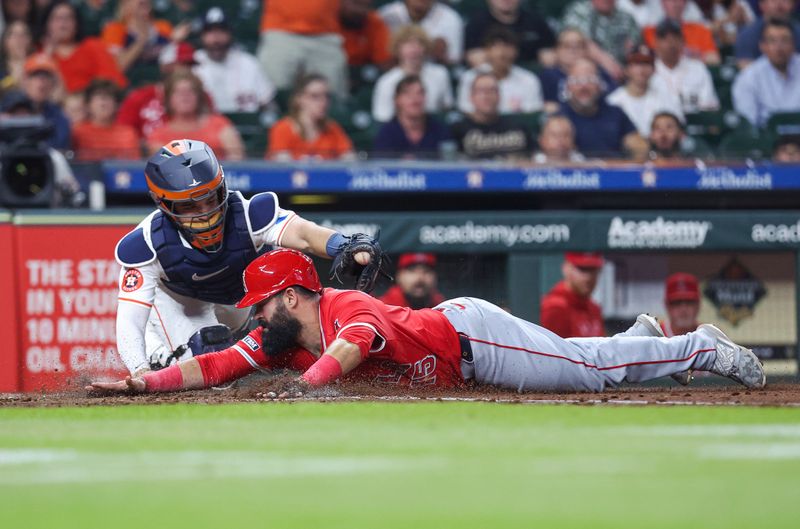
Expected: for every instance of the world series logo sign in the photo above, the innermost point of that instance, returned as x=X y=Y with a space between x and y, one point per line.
x=735 y=291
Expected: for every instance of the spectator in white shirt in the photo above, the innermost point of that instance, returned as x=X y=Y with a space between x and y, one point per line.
x=442 y=24
x=650 y=12
x=410 y=46
x=520 y=90
x=771 y=83
x=683 y=76
x=232 y=77
x=640 y=98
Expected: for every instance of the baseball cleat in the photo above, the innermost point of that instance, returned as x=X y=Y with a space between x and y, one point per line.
x=650 y=325
x=734 y=361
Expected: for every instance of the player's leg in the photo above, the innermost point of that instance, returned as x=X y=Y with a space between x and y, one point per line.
x=173 y=320
x=514 y=353
x=646 y=325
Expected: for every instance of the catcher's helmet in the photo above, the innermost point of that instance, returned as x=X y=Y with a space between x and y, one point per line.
x=277 y=270
x=184 y=172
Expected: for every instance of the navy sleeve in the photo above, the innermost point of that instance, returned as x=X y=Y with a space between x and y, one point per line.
x=132 y=250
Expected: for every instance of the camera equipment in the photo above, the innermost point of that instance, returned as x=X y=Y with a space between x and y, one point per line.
x=26 y=168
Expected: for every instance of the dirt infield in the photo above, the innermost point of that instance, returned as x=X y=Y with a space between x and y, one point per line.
x=781 y=394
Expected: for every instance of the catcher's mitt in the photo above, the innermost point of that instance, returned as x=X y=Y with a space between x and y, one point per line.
x=365 y=275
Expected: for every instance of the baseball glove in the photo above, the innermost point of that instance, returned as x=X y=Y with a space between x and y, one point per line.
x=365 y=275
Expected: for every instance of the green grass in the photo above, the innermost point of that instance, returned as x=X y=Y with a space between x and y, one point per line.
x=387 y=465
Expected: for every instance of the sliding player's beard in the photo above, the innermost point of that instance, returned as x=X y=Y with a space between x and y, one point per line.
x=281 y=332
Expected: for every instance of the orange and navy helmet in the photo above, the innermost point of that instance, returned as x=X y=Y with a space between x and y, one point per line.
x=275 y=271
x=187 y=183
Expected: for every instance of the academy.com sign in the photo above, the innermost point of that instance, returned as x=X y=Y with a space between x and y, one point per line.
x=657 y=233
x=504 y=234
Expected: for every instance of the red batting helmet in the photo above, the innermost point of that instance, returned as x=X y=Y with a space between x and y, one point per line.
x=275 y=271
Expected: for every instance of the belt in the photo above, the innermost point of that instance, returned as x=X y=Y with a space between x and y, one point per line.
x=466 y=348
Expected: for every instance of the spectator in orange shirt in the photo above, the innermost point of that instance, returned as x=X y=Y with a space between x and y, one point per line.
x=415 y=282
x=135 y=37
x=79 y=60
x=99 y=137
x=188 y=115
x=302 y=36
x=699 y=41
x=568 y=309
x=308 y=132
x=366 y=35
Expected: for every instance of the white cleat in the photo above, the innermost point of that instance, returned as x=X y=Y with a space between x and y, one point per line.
x=650 y=325
x=734 y=361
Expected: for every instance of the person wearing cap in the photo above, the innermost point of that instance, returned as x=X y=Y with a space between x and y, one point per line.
x=231 y=76
x=698 y=39
x=136 y=37
x=682 y=299
x=40 y=83
x=79 y=60
x=415 y=282
x=568 y=309
x=143 y=108
x=639 y=97
x=683 y=76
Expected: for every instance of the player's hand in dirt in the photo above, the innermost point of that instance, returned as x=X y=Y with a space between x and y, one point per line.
x=292 y=389
x=129 y=385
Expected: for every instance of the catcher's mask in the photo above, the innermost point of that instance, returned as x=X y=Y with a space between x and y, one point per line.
x=186 y=173
x=275 y=271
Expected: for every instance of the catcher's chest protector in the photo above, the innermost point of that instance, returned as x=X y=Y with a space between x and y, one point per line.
x=212 y=277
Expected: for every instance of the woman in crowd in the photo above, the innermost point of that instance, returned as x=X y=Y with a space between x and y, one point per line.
x=79 y=60
x=188 y=116
x=99 y=137
x=308 y=132
x=135 y=37
x=412 y=133
x=17 y=44
x=411 y=47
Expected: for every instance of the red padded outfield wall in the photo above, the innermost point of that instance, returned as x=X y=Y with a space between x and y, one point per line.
x=9 y=366
x=67 y=298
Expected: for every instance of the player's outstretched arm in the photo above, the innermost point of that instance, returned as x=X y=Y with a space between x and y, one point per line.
x=309 y=237
x=338 y=360
x=184 y=375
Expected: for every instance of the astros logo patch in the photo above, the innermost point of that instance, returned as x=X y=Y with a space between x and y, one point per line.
x=132 y=280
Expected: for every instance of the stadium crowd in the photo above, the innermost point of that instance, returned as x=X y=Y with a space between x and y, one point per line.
x=546 y=81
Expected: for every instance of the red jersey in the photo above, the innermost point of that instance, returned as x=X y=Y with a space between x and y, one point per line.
x=399 y=345
x=411 y=347
x=395 y=296
x=569 y=315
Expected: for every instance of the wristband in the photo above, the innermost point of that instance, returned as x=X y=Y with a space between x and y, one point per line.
x=167 y=379
x=324 y=371
x=335 y=243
